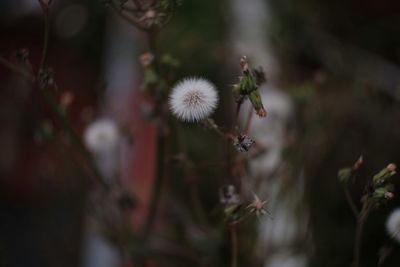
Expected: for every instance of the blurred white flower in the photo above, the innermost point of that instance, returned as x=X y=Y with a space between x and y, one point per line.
x=102 y=136
x=393 y=224
x=193 y=99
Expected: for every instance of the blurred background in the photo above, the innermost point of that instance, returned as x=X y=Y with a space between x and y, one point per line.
x=332 y=95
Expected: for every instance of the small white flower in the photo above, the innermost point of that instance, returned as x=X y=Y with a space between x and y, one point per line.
x=393 y=224
x=193 y=99
x=101 y=136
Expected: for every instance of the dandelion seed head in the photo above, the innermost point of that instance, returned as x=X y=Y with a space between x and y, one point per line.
x=393 y=224
x=101 y=136
x=193 y=99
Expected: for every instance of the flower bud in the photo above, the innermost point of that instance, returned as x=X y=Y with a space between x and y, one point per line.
x=345 y=175
x=256 y=101
x=391 y=168
x=389 y=195
x=358 y=163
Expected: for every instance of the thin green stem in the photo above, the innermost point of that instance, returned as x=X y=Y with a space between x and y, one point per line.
x=249 y=120
x=359 y=234
x=211 y=124
x=74 y=137
x=161 y=152
x=157 y=187
x=234 y=245
x=45 y=49
x=196 y=202
x=351 y=202
x=237 y=112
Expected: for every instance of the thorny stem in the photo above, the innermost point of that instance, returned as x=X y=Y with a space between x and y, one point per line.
x=234 y=244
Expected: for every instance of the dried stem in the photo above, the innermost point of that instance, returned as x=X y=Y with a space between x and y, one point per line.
x=130 y=20
x=52 y=103
x=17 y=69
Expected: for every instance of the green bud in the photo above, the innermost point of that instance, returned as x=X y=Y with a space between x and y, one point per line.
x=232 y=211
x=169 y=61
x=382 y=176
x=256 y=101
x=381 y=193
x=150 y=79
x=345 y=175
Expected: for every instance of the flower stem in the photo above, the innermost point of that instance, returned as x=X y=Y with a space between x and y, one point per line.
x=161 y=152
x=157 y=187
x=234 y=244
x=359 y=234
x=249 y=120
x=350 y=202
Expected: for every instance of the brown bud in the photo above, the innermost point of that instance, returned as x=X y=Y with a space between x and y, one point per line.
x=358 y=163
x=146 y=59
x=66 y=99
x=261 y=112
x=243 y=64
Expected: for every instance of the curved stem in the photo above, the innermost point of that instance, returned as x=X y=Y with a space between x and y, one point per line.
x=350 y=201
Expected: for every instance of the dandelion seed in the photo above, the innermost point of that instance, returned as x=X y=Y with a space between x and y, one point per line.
x=193 y=99
x=101 y=136
x=258 y=206
x=393 y=224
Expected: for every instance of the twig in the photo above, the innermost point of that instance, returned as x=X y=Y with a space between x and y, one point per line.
x=52 y=103
x=127 y=18
x=18 y=70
